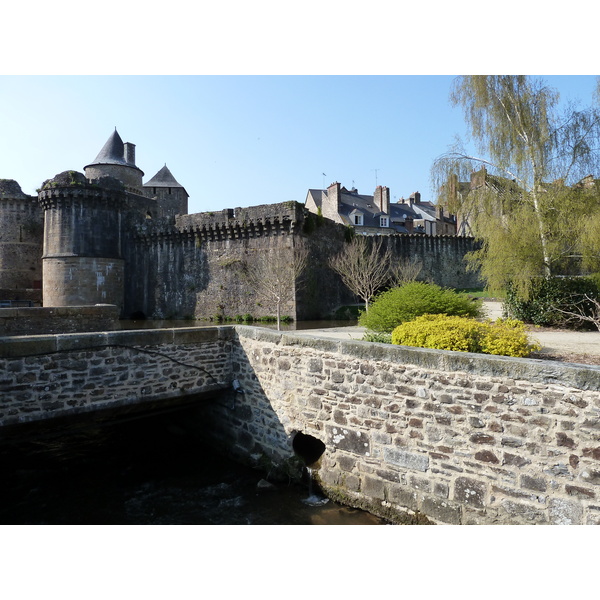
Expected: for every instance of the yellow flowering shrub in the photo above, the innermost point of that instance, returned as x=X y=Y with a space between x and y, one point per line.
x=463 y=334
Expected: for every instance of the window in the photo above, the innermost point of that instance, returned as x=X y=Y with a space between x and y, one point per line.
x=384 y=222
x=358 y=219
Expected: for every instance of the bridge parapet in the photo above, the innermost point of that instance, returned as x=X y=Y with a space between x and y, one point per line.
x=58 y=375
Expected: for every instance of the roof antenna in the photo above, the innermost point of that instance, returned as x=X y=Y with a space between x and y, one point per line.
x=376 y=175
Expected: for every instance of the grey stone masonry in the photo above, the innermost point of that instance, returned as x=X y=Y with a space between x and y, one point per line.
x=42 y=377
x=462 y=438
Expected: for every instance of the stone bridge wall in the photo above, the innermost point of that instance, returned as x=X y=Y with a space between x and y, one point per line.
x=461 y=438
x=44 y=377
x=458 y=437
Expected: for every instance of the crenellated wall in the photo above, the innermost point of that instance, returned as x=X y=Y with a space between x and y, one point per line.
x=195 y=269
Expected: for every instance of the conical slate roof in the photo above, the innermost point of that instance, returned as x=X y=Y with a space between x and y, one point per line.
x=113 y=152
x=164 y=178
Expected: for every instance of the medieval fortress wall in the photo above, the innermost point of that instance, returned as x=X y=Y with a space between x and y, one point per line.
x=104 y=237
x=21 y=227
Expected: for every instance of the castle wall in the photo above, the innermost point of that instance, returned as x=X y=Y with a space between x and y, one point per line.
x=21 y=239
x=442 y=258
x=196 y=269
x=64 y=319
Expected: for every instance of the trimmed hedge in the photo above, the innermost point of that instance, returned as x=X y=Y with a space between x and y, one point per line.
x=404 y=303
x=503 y=337
x=548 y=296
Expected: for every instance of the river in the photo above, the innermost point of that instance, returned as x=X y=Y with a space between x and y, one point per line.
x=148 y=471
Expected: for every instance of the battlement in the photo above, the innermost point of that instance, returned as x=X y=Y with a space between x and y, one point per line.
x=234 y=223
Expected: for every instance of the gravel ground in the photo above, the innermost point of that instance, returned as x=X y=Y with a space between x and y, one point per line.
x=559 y=344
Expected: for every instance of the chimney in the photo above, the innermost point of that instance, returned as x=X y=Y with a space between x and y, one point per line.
x=416 y=197
x=333 y=194
x=381 y=199
x=409 y=224
x=439 y=212
x=129 y=153
x=478 y=178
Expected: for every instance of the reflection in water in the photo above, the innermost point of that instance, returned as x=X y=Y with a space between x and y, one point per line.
x=145 y=471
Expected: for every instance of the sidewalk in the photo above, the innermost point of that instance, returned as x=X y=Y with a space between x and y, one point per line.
x=572 y=342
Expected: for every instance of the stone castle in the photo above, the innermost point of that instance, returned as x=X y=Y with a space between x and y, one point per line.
x=105 y=237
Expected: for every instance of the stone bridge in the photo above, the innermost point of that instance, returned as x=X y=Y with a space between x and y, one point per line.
x=402 y=432
x=43 y=377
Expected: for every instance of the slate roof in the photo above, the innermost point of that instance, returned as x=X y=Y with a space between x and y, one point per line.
x=352 y=200
x=164 y=178
x=113 y=153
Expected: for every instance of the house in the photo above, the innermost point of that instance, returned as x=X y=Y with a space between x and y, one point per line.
x=376 y=215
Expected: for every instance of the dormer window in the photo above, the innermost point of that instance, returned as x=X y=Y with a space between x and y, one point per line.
x=356 y=218
x=384 y=222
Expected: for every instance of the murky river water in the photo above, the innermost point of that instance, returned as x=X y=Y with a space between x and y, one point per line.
x=144 y=471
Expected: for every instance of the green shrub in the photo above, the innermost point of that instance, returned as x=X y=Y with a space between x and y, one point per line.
x=404 y=303
x=549 y=296
x=462 y=334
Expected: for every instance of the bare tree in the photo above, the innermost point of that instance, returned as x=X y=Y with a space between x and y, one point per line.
x=405 y=271
x=274 y=275
x=363 y=266
x=587 y=309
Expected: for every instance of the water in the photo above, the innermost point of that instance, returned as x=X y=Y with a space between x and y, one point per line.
x=293 y=326
x=145 y=471
x=314 y=498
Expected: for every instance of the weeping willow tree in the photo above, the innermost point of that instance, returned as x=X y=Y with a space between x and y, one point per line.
x=528 y=204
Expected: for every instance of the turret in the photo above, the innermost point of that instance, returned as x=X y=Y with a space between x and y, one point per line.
x=82 y=258
x=117 y=160
x=171 y=195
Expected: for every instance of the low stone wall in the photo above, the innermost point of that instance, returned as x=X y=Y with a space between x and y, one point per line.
x=46 y=320
x=461 y=438
x=44 y=377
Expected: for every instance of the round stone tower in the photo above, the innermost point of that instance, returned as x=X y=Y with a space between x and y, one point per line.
x=117 y=160
x=82 y=259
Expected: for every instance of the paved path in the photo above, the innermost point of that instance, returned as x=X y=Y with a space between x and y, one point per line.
x=574 y=342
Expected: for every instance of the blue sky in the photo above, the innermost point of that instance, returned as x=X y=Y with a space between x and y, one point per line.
x=241 y=140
